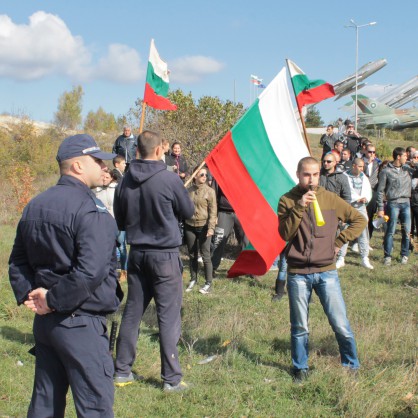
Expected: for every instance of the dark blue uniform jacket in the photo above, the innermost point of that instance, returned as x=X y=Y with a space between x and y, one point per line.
x=148 y=205
x=65 y=242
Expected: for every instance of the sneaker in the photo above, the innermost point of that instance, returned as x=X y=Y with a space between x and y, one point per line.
x=277 y=297
x=180 y=387
x=365 y=262
x=205 y=289
x=121 y=381
x=387 y=261
x=340 y=262
x=191 y=286
x=355 y=248
x=300 y=375
x=200 y=259
x=404 y=260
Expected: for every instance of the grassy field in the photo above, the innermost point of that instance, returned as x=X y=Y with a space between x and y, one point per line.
x=250 y=377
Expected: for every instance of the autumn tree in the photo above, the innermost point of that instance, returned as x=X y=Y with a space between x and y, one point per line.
x=100 y=121
x=68 y=115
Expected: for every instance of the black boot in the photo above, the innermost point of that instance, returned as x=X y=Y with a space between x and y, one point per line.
x=280 y=285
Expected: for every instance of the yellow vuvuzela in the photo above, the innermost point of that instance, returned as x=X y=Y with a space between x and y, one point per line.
x=318 y=214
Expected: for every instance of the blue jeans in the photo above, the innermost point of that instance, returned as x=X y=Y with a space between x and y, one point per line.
x=403 y=212
x=327 y=287
x=281 y=276
x=123 y=251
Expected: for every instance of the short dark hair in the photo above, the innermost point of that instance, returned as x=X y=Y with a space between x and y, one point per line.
x=175 y=143
x=306 y=161
x=118 y=159
x=410 y=148
x=330 y=126
x=346 y=149
x=338 y=142
x=147 y=142
x=398 y=151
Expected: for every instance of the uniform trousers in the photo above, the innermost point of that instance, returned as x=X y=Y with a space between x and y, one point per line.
x=72 y=351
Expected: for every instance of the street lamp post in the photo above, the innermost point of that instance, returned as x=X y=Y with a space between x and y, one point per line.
x=357 y=27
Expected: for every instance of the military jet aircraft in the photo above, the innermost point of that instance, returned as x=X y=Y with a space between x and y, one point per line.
x=401 y=95
x=348 y=85
x=376 y=114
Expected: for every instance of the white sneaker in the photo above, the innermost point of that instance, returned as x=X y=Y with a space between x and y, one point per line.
x=355 y=248
x=366 y=263
x=340 y=262
x=387 y=261
x=205 y=289
x=191 y=286
x=200 y=259
x=404 y=260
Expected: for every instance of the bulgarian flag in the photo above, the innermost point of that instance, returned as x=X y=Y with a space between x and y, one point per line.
x=156 y=85
x=308 y=91
x=255 y=164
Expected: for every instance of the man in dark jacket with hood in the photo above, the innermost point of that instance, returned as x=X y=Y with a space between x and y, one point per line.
x=147 y=205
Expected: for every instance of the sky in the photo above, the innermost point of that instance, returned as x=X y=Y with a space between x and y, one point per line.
x=211 y=47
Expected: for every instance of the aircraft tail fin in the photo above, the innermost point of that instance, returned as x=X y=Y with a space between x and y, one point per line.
x=371 y=106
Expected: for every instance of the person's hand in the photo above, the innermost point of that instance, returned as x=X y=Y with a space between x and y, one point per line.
x=362 y=200
x=37 y=303
x=380 y=213
x=336 y=251
x=182 y=175
x=174 y=167
x=307 y=198
x=210 y=233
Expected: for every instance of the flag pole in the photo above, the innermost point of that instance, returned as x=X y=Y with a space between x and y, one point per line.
x=194 y=173
x=305 y=134
x=141 y=124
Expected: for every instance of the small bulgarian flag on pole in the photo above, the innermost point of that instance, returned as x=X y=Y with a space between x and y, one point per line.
x=308 y=91
x=156 y=85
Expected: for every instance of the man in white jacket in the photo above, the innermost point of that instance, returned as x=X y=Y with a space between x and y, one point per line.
x=361 y=193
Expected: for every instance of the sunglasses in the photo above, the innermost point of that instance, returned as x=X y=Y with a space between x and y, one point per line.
x=328 y=161
x=203 y=175
x=371 y=152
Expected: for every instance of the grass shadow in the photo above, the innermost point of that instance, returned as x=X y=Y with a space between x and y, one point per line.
x=13 y=334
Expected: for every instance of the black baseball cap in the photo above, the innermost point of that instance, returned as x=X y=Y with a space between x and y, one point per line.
x=79 y=145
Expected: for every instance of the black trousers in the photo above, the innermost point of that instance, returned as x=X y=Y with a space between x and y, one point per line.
x=196 y=240
x=371 y=210
x=227 y=221
x=72 y=351
x=158 y=275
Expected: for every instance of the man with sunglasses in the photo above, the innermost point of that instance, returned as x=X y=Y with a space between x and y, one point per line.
x=371 y=170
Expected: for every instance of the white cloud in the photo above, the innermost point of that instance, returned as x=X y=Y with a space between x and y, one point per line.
x=191 y=69
x=122 y=64
x=47 y=47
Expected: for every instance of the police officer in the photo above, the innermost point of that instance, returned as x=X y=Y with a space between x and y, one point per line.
x=147 y=205
x=63 y=268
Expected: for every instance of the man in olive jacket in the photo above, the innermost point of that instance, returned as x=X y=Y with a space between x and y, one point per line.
x=311 y=255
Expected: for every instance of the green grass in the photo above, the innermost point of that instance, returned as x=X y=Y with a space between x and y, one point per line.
x=250 y=334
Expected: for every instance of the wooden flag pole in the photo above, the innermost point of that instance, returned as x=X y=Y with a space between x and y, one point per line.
x=300 y=114
x=141 y=124
x=195 y=173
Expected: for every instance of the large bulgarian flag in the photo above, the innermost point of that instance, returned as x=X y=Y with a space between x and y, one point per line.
x=255 y=164
x=156 y=85
x=308 y=91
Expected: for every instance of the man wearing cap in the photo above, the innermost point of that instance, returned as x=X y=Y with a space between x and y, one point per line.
x=63 y=268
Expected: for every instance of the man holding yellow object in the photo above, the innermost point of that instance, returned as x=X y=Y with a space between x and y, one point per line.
x=311 y=253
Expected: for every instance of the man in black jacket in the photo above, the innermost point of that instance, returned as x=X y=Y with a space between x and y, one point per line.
x=63 y=267
x=147 y=205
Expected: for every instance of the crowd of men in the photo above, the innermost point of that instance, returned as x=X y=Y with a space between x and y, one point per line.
x=351 y=168
x=63 y=262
